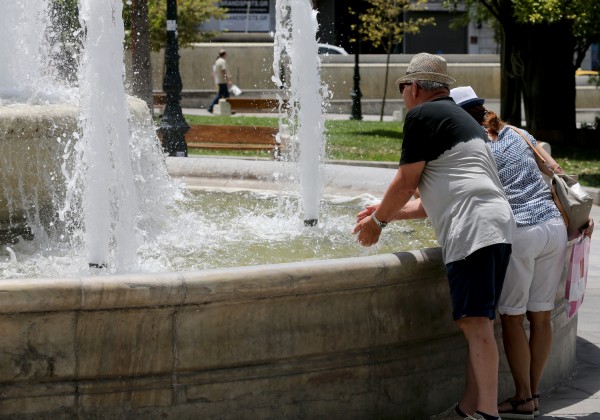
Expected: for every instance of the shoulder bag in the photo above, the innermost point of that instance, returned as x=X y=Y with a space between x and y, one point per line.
x=573 y=202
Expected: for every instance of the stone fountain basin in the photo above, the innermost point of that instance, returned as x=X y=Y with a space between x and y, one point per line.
x=34 y=140
x=31 y=155
x=365 y=337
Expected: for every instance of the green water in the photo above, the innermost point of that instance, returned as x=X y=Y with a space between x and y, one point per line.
x=246 y=228
x=215 y=229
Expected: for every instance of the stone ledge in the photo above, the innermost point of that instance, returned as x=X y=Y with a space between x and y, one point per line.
x=359 y=337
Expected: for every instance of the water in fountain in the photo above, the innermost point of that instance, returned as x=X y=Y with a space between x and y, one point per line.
x=296 y=46
x=174 y=230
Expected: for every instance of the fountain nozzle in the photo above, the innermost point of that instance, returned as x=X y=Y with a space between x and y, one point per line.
x=96 y=265
x=311 y=222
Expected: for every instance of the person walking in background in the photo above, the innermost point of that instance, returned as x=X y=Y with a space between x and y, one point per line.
x=222 y=79
x=539 y=248
x=443 y=148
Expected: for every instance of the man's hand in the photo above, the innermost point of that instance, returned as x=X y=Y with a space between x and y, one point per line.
x=369 y=210
x=367 y=231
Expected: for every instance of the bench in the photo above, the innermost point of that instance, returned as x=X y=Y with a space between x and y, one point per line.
x=232 y=137
x=256 y=104
x=241 y=104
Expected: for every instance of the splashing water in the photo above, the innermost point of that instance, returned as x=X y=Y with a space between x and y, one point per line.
x=26 y=73
x=82 y=171
x=110 y=200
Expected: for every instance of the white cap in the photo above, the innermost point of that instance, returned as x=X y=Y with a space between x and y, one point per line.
x=465 y=96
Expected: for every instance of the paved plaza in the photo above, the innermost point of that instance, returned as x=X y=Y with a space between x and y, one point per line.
x=579 y=397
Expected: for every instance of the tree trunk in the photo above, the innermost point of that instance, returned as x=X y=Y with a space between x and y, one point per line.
x=549 y=77
x=140 y=52
x=511 y=75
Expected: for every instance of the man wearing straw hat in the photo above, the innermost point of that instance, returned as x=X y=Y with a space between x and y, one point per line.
x=446 y=160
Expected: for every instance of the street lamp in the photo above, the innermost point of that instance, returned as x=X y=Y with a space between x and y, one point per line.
x=356 y=94
x=173 y=126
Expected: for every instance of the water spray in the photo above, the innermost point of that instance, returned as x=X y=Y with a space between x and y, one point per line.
x=297 y=35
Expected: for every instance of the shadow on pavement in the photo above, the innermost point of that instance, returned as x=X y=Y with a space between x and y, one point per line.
x=576 y=398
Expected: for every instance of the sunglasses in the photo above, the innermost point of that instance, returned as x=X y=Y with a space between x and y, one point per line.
x=401 y=86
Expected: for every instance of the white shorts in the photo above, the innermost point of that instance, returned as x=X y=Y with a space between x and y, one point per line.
x=535 y=268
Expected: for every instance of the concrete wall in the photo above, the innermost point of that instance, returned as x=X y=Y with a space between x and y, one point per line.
x=251 y=66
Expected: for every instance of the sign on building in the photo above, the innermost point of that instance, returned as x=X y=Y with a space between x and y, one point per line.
x=246 y=15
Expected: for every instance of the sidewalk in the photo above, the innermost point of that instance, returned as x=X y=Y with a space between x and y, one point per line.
x=579 y=397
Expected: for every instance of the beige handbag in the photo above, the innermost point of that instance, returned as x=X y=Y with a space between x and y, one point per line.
x=573 y=202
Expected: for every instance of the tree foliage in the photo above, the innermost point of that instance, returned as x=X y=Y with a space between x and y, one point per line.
x=190 y=14
x=582 y=16
x=542 y=43
x=384 y=24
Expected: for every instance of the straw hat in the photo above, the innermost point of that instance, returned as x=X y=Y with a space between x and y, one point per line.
x=424 y=66
x=465 y=96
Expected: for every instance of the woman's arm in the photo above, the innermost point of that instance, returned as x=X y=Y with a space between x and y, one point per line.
x=551 y=166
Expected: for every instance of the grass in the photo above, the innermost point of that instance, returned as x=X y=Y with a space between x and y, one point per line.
x=584 y=162
x=381 y=142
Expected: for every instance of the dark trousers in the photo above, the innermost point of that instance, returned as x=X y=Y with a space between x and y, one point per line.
x=223 y=93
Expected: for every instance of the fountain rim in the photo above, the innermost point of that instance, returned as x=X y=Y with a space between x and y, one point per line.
x=339 y=177
x=225 y=174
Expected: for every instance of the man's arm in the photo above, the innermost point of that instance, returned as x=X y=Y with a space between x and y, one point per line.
x=397 y=195
x=226 y=75
x=412 y=210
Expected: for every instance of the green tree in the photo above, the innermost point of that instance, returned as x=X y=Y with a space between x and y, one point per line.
x=383 y=24
x=190 y=14
x=542 y=44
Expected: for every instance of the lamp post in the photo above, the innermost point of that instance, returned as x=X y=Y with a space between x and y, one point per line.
x=173 y=126
x=356 y=94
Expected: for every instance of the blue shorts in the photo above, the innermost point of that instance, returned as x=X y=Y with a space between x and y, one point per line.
x=476 y=281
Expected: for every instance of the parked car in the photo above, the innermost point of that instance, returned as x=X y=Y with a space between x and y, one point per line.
x=586 y=77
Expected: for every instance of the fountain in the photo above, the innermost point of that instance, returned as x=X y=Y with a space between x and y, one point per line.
x=358 y=337
x=110 y=202
x=296 y=36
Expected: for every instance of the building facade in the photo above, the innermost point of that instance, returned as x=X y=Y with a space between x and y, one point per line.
x=254 y=20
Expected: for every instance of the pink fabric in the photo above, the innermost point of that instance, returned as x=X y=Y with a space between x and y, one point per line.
x=577 y=271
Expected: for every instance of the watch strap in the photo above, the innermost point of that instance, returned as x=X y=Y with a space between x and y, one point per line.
x=378 y=222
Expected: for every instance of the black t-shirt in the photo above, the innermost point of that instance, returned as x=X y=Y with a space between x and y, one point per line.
x=459 y=186
x=433 y=127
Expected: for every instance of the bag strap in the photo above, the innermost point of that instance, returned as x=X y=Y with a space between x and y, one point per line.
x=559 y=205
x=535 y=151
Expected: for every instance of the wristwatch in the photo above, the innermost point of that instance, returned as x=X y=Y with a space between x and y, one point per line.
x=378 y=222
